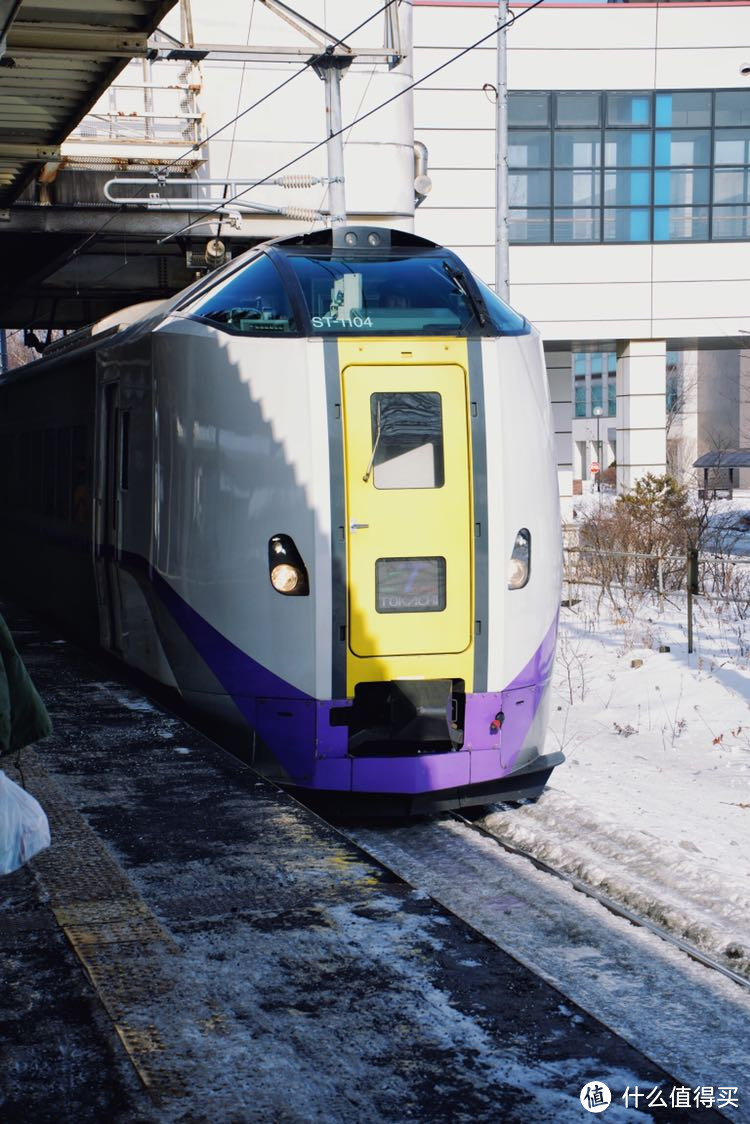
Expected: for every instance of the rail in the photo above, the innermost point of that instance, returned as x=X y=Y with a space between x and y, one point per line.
x=609 y=903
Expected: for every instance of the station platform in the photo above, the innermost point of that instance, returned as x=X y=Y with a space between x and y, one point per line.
x=197 y=946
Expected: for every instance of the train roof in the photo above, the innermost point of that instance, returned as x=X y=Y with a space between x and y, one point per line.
x=372 y=247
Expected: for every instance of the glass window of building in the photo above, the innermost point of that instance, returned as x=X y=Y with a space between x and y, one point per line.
x=595 y=382
x=680 y=147
x=529 y=109
x=578 y=109
x=681 y=187
x=577 y=225
x=529 y=226
x=681 y=224
x=577 y=189
x=528 y=189
x=683 y=109
x=528 y=148
x=629 y=166
x=732 y=146
x=733 y=107
x=628 y=109
x=611 y=398
x=627 y=188
x=578 y=148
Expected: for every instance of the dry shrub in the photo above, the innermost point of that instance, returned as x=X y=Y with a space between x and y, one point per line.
x=640 y=542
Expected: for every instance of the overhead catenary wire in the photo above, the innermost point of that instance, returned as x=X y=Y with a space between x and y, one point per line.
x=164 y=169
x=357 y=120
x=237 y=109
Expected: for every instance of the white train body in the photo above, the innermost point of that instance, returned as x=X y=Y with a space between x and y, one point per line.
x=398 y=472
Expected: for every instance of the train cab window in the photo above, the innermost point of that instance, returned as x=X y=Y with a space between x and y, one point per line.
x=407 y=440
x=252 y=302
x=426 y=294
x=503 y=317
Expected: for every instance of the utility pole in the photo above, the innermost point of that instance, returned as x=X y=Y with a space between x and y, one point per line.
x=330 y=68
x=502 y=271
x=330 y=63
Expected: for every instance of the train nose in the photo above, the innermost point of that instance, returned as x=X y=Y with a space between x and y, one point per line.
x=410 y=715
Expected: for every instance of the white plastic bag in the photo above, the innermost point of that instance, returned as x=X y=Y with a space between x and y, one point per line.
x=24 y=830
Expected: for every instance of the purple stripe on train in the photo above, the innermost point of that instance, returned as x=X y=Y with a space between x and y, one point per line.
x=291 y=722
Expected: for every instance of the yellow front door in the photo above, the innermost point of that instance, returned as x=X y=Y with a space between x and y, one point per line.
x=409 y=520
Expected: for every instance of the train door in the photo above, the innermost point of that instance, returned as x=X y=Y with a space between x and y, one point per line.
x=409 y=509
x=113 y=434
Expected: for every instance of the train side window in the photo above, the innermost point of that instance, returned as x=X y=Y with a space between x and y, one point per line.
x=124 y=449
x=407 y=440
x=50 y=472
x=80 y=498
x=252 y=302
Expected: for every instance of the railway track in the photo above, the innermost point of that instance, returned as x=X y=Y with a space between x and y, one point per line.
x=683 y=1008
x=611 y=904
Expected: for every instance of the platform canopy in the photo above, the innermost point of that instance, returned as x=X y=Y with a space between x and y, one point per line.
x=57 y=57
x=728 y=458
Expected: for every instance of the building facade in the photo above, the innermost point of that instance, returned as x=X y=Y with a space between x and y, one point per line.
x=629 y=211
x=629 y=182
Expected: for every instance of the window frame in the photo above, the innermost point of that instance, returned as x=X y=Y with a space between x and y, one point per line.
x=551 y=216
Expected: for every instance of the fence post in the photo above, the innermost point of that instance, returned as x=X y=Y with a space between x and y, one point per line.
x=660 y=580
x=692 y=588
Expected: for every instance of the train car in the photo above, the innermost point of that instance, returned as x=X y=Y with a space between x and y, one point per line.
x=316 y=494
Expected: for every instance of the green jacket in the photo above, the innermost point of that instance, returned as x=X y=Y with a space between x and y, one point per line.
x=23 y=717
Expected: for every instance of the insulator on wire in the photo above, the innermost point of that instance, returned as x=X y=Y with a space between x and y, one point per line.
x=301 y=213
x=215 y=253
x=298 y=179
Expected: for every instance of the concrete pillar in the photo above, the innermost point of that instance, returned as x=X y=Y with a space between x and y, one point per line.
x=682 y=418
x=744 y=441
x=641 y=388
x=560 y=376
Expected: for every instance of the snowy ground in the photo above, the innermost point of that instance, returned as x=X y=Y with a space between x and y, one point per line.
x=653 y=808
x=653 y=803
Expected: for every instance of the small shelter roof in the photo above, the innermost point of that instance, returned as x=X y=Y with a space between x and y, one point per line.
x=727 y=458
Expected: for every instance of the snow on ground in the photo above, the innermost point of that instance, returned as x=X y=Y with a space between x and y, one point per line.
x=653 y=803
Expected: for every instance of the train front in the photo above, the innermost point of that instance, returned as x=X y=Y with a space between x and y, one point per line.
x=414 y=593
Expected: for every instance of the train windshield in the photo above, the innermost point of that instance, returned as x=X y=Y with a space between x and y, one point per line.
x=386 y=294
x=426 y=294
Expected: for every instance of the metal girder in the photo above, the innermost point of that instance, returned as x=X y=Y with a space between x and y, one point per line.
x=76 y=40
x=230 y=52
x=318 y=35
x=60 y=57
x=8 y=10
x=12 y=150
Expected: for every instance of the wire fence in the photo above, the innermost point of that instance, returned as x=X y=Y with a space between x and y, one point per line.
x=719 y=577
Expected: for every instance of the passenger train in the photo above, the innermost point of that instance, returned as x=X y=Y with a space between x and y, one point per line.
x=316 y=493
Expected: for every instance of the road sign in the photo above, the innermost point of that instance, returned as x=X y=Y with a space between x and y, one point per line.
x=594 y=468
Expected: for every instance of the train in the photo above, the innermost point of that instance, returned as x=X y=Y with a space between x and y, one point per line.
x=315 y=493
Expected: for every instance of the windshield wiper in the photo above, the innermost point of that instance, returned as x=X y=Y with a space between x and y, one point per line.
x=458 y=278
x=366 y=476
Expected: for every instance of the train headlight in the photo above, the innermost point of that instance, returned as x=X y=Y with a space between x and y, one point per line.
x=285 y=578
x=285 y=567
x=519 y=565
